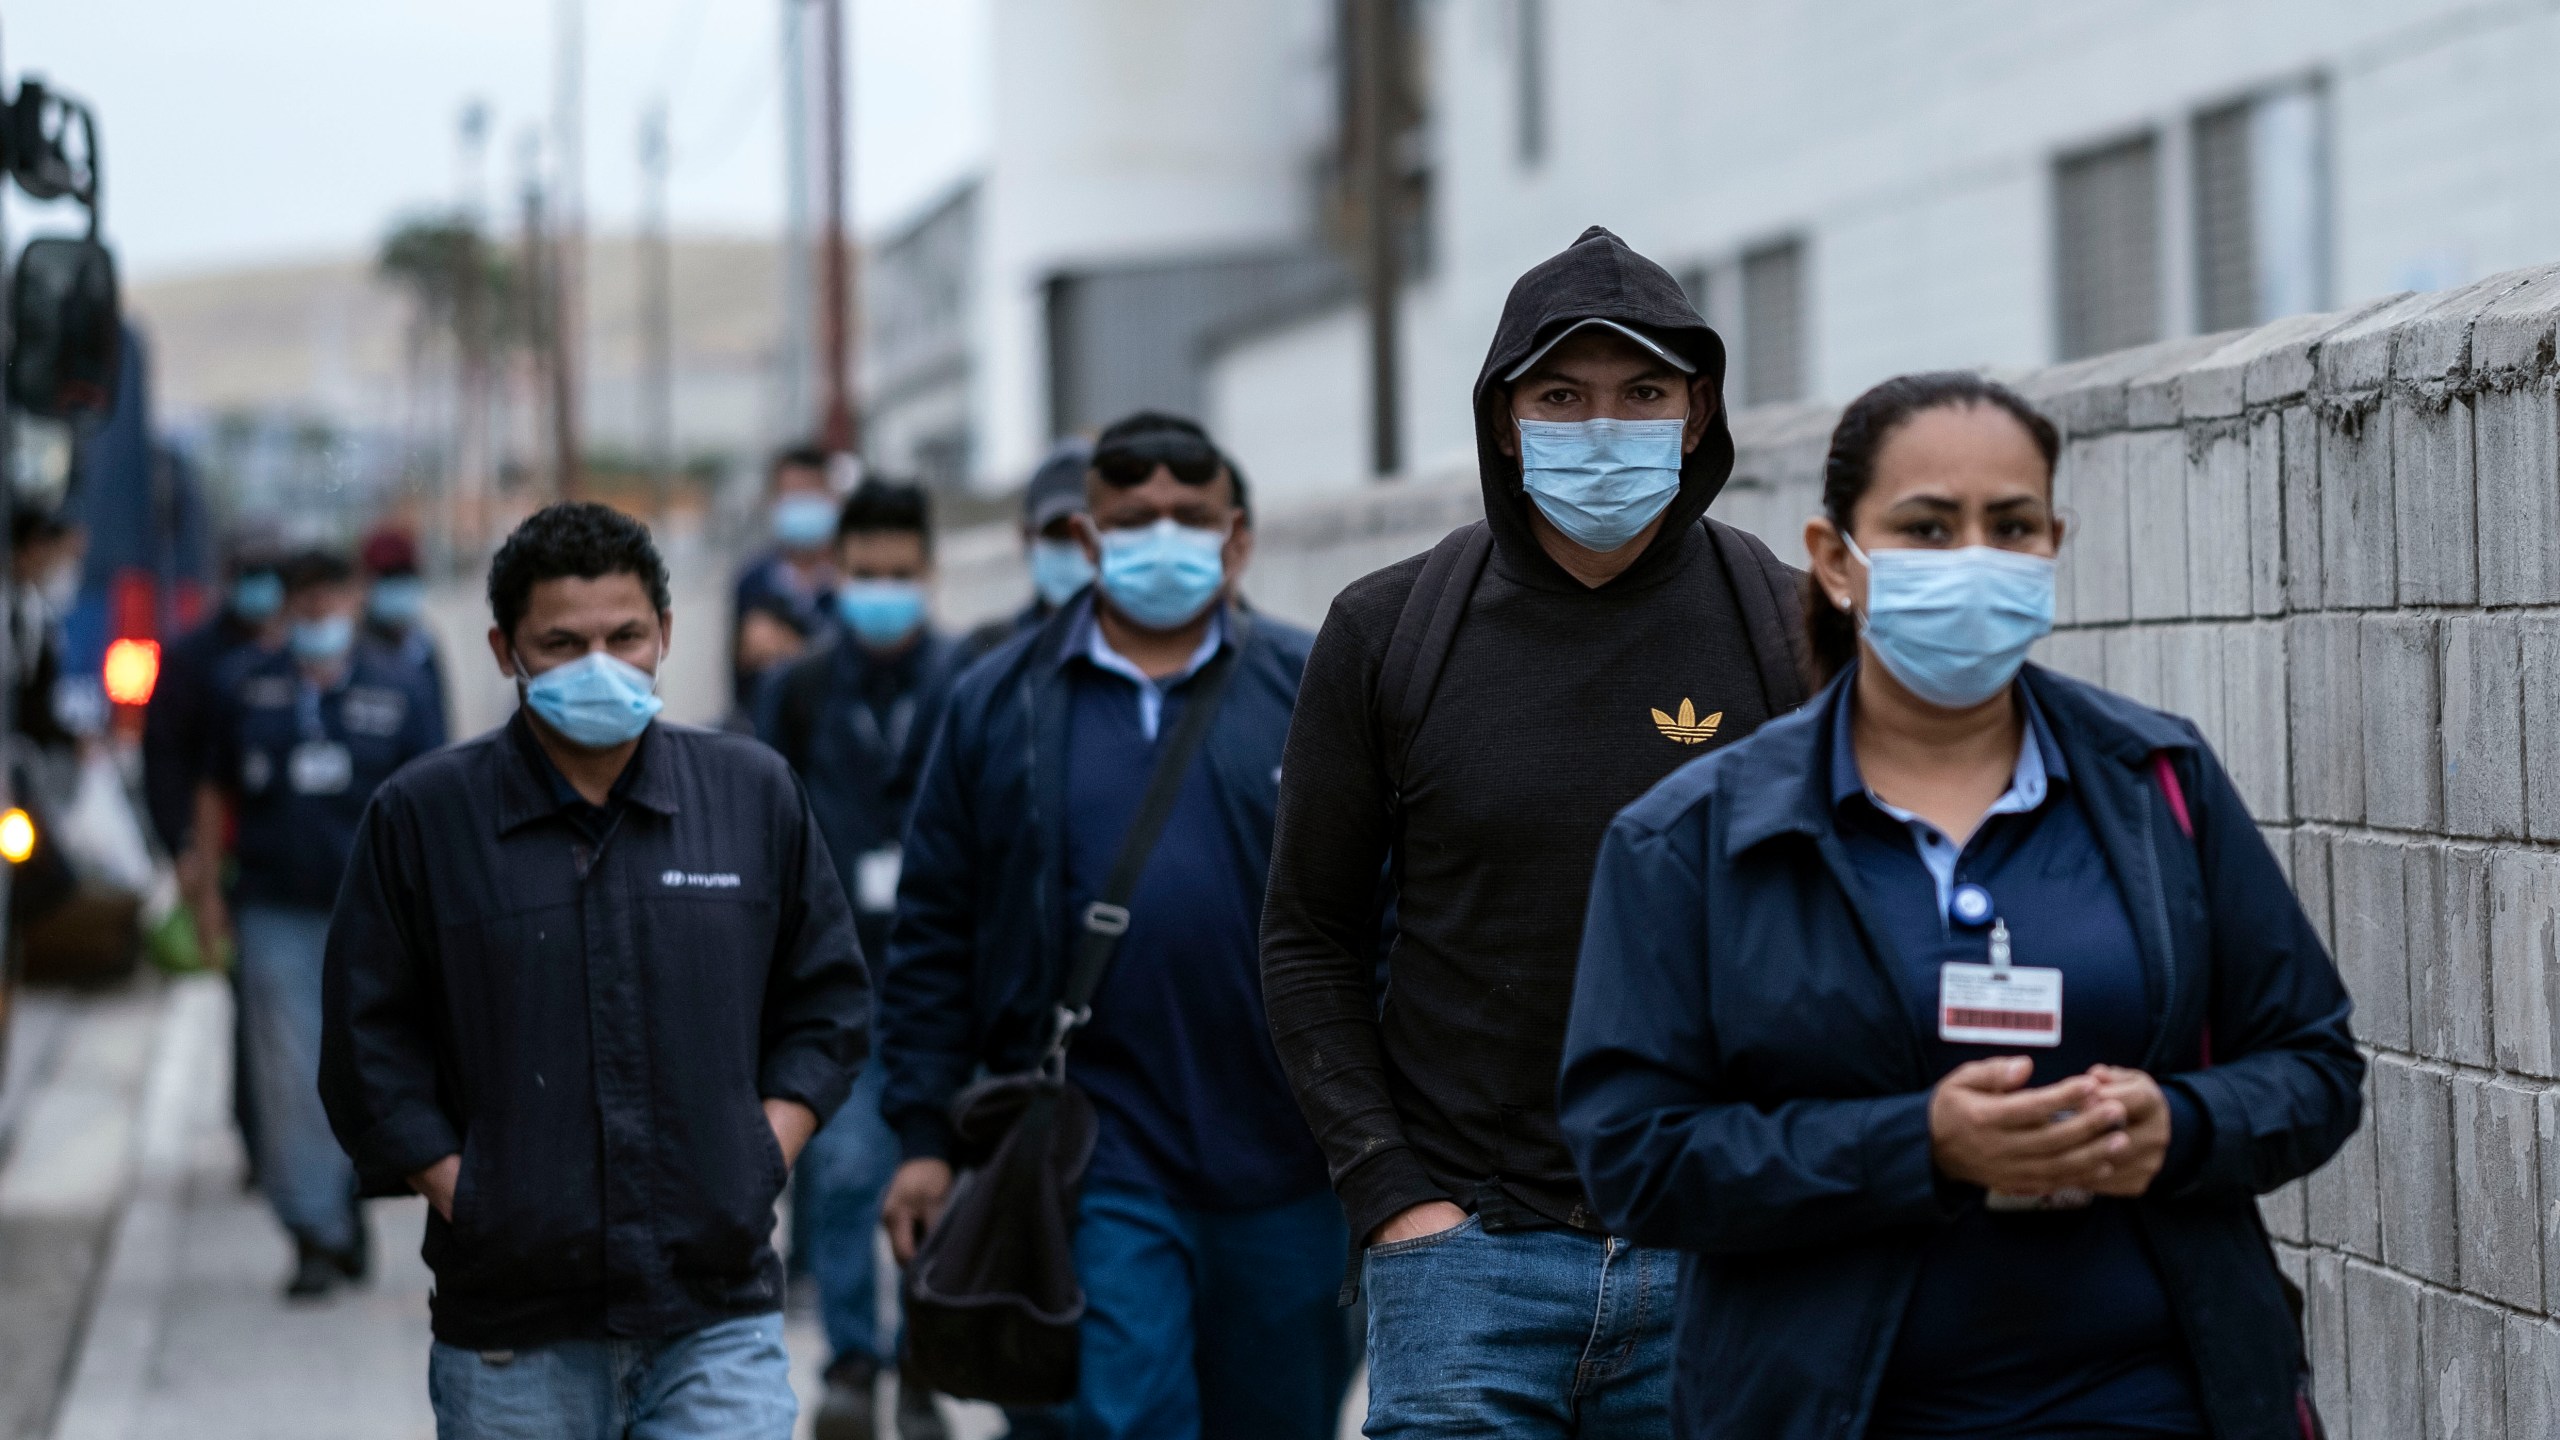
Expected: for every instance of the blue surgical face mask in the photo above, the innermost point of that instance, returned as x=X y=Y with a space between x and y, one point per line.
x=881 y=613
x=594 y=701
x=397 y=600
x=803 y=522
x=321 y=641
x=1163 y=575
x=1954 y=625
x=257 y=596
x=1601 y=481
x=1058 y=570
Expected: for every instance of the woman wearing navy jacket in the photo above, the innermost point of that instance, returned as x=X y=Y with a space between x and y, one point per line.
x=1952 y=1024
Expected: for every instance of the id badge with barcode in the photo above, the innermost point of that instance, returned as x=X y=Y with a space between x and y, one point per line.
x=1999 y=1004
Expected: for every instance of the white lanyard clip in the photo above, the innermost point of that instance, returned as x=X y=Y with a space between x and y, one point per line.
x=1999 y=944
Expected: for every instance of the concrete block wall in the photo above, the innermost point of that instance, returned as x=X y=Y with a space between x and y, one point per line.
x=2334 y=543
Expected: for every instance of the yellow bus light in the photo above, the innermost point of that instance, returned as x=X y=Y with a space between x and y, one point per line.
x=17 y=836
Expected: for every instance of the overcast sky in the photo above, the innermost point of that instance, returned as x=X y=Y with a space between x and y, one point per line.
x=252 y=130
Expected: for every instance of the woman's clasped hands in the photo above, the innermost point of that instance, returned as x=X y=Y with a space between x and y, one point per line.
x=2105 y=1131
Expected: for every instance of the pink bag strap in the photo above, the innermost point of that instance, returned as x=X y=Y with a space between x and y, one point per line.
x=2170 y=790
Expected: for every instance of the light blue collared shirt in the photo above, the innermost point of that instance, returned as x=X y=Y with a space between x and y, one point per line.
x=1150 y=689
x=1937 y=850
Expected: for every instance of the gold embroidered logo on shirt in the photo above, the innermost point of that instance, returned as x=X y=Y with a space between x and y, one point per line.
x=1688 y=727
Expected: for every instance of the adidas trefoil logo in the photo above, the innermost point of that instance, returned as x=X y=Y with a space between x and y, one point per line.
x=1688 y=727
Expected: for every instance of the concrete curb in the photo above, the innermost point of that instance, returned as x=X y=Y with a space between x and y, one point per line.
x=123 y=1333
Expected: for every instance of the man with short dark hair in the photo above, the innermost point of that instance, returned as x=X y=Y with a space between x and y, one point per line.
x=592 y=984
x=1059 y=569
x=1472 y=721
x=854 y=720
x=1206 y=1241
x=301 y=739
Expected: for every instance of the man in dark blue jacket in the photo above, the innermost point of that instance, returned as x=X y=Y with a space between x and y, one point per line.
x=591 y=985
x=300 y=739
x=1208 y=1242
x=854 y=720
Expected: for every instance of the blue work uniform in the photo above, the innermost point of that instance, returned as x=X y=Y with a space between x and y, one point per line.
x=2043 y=1323
x=855 y=726
x=300 y=761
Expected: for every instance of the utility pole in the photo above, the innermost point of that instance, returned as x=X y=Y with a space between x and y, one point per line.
x=533 y=261
x=569 y=244
x=796 y=394
x=458 y=522
x=1378 y=57
x=840 y=429
x=657 y=300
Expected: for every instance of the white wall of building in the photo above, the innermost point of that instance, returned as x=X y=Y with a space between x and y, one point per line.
x=1912 y=144
x=1127 y=129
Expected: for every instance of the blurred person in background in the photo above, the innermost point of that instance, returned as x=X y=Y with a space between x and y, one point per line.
x=1593 y=633
x=395 y=605
x=176 y=730
x=1059 y=567
x=854 y=720
x=1207 y=1243
x=45 y=553
x=781 y=596
x=251 y=617
x=601 y=1078
x=299 y=740
x=1953 y=1025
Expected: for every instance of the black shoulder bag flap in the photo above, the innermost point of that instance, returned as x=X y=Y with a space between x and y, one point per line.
x=992 y=1299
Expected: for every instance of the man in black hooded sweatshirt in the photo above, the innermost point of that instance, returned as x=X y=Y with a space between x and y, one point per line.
x=1469 y=723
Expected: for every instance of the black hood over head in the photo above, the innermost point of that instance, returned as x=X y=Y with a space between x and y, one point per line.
x=1597 y=277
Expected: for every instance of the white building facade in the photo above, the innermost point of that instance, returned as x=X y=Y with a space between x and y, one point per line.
x=1857 y=189
x=1850 y=190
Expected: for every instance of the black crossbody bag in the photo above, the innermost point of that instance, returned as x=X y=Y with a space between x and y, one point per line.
x=992 y=1299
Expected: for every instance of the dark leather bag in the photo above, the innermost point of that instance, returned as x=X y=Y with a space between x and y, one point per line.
x=992 y=1297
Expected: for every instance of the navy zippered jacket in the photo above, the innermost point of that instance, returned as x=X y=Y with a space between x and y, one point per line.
x=591 y=1027
x=1742 y=1080
x=981 y=943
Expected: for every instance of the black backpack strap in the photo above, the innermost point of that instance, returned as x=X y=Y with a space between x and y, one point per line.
x=1425 y=630
x=1106 y=919
x=1771 y=594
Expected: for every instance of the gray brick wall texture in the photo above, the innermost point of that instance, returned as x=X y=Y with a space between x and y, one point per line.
x=2334 y=543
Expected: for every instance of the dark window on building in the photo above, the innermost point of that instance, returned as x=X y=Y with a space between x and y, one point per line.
x=1529 y=77
x=2226 y=248
x=2106 y=206
x=2262 y=207
x=1773 y=323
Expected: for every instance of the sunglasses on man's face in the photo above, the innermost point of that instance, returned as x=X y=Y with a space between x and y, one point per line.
x=1193 y=462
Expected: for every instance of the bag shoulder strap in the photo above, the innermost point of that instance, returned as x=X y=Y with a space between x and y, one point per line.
x=1426 y=628
x=1770 y=592
x=2170 y=790
x=1106 y=918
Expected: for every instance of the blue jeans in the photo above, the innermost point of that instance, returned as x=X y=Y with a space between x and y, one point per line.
x=308 y=1179
x=1208 y=1325
x=730 y=1381
x=841 y=1177
x=1537 y=1333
